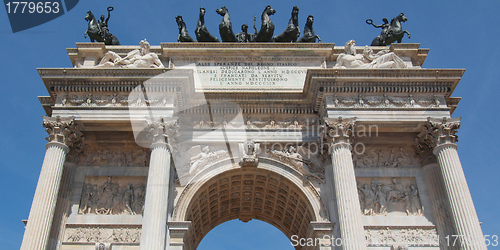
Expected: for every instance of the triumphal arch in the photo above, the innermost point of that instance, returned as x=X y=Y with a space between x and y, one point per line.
x=339 y=147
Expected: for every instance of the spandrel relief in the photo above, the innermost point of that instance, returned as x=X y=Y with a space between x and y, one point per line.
x=113 y=195
x=380 y=196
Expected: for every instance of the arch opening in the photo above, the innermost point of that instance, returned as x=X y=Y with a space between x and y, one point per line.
x=247 y=194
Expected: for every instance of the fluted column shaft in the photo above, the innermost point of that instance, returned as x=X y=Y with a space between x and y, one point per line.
x=63 y=133
x=351 y=225
x=439 y=134
x=339 y=133
x=462 y=208
x=154 y=225
x=37 y=231
x=441 y=211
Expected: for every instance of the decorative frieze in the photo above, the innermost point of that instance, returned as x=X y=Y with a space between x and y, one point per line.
x=112 y=195
x=385 y=101
x=387 y=156
x=113 y=100
x=379 y=196
x=250 y=123
x=103 y=234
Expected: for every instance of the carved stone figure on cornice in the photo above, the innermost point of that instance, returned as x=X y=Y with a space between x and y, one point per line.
x=291 y=156
x=62 y=130
x=382 y=60
x=138 y=58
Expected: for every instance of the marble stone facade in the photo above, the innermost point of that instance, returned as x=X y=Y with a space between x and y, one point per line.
x=156 y=157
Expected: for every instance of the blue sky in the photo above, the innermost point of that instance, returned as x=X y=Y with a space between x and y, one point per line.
x=459 y=34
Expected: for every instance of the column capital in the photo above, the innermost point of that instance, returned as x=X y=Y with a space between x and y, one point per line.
x=162 y=131
x=62 y=130
x=338 y=130
x=439 y=131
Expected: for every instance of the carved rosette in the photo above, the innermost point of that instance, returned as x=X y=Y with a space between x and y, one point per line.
x=439 y=132
x=338 y=131
x=162 y=131
x=62 y=130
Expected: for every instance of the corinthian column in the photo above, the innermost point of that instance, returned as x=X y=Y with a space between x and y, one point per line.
x=154 y=223
x=440 y=135
x=63 y=133
x=339 y=133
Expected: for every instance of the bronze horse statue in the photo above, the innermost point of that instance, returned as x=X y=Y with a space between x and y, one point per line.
x=267 y=28
x=95 y=33
x=201 y=31
x=309 y=35
x=225 y=26
x=183 y=33
x=395 y=32
x=292 y=32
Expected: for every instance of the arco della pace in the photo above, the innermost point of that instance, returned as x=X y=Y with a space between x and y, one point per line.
x=339 y=147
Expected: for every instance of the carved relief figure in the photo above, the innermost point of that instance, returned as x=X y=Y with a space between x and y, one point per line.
x=291 y=156
x=198 y=162
x=383 y=197
x=110 y=198
x=249 y=150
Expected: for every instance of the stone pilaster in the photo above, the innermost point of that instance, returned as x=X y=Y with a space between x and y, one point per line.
x=339 y=133
x=154 y=224
x=63 y=133
x=439 y=134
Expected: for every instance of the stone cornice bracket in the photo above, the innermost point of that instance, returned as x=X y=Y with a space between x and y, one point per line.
x=162 y=131
x=440 y=132
x=338 y=130
x=62 y=130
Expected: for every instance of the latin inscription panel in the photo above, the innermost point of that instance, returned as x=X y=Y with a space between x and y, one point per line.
x=250 y=74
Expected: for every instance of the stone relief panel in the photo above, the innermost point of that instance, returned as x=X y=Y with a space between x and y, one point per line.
x=112 y=195
x=402 y=238
x=385 y=101
x=380 y=196
x=103 y=234
x=386 y=156
x=92 y=154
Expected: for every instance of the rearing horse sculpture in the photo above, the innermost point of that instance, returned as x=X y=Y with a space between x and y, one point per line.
x=309 y=35
x=225 y=26
x=183 y=33
x=395 y=32
x=292 y=32
x=267 y=28
x=94 y=32
x=201 y=31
